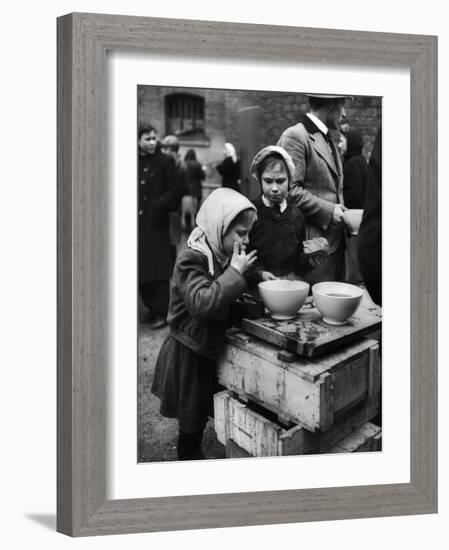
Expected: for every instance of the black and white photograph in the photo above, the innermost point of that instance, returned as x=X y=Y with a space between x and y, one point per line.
x=227 y=230
x=259 y=273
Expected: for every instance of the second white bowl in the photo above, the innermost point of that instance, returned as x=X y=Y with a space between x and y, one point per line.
x=336 y=301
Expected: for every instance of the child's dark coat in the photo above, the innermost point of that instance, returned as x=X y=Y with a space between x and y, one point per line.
x=278 y=240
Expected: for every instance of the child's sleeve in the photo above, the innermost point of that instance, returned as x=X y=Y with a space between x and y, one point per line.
x=253 y=275
x=207 y=298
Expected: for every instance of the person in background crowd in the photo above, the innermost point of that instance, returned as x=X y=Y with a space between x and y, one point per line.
x=317 y=188
x=191 y=201
x=229 y=168
x=207 y=280
x=355 y=171
x=158 y=196
x=342 y=144
x=355 y=174
x=170 y=146
x=370 y=232
x=280 y=229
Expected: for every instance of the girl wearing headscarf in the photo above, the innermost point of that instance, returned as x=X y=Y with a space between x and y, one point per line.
x=207 y=279
x=229 y=168
x=280 y=230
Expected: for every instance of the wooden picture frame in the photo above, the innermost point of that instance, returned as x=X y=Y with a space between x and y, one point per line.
x=83 y=41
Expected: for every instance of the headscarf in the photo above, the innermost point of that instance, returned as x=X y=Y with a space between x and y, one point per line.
x=213 y=220
x=276 y=152
x=230 y=150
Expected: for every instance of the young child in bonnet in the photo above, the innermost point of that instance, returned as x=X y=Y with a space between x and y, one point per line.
x=280 y=230
x=207 y=279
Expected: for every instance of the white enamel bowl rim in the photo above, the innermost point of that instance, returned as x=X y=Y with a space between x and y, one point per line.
x=284 y=285
x=322 y=289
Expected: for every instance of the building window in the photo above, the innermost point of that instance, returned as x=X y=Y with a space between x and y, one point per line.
x=184 y=116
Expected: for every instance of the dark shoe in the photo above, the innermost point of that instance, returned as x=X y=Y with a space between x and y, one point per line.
x=189 y=446
x=158 y=322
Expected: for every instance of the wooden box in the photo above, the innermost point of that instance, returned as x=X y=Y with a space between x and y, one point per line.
x=367 y=438
x=306 y=391
x=245 y=432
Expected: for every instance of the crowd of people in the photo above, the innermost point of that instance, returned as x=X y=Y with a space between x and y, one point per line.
x=306 y=184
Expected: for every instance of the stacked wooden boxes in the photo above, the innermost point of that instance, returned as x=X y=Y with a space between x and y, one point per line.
x=281 y=403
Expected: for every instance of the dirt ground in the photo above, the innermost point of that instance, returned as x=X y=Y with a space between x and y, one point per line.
x=157 y=436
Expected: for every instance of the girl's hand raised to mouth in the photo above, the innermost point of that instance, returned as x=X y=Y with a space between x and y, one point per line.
x=242 y=261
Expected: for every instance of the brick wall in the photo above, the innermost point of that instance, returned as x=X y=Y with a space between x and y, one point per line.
x=365 y=114
x=278 y=110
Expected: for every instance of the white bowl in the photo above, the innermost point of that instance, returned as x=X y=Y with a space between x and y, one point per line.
x=283 y=297
x=353 y=219
x=336 y=301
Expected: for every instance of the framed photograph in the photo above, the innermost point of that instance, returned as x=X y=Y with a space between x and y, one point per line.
x=191 y=127
x=129 y=87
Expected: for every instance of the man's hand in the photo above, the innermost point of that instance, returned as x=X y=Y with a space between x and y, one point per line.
x=240 y=260
x=338 y=216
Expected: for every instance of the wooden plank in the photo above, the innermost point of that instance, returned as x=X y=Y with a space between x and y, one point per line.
x=310 y=368
x=374 y=371
x=366 y=438
x=221 y=415
x=327 y=401
x=279 y=390
x=351 y=382
x=284 y=389
x=248 y=429
x=259 y=436
x=233 y=450
x=373 y=444
x=299 y=440
x=309 y=335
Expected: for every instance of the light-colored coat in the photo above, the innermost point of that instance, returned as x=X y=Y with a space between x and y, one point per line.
x=318 y=182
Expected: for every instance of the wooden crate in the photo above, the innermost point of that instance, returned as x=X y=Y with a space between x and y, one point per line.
x=306 y=391
x=367 y=438
x=245 y=432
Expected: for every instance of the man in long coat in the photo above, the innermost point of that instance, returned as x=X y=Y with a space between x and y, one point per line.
x=317 y=189
x=159 y=194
